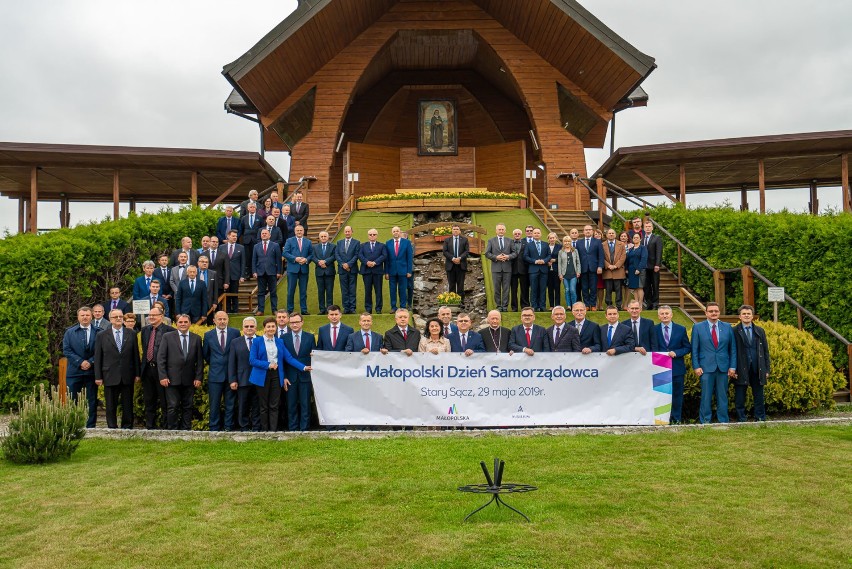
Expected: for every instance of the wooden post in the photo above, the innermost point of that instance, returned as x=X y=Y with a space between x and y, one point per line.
x=132 y=203
x=761 y=184
x=748 y=285
x=682 y=195
x=601 y=203
x=193 y=191
x=115 y=200
x=21 y=207
x=800 y=318
x=63 y=384
x=814 y=205
x=844 y=182
x=34 y=200
x=744 y=198
x=64 y=213
x=615 y=203
x=719 y=290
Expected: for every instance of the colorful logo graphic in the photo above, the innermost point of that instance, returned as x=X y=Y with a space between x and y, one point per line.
x=452 y=410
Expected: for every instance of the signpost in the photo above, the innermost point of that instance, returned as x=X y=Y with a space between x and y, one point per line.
x=776 y=295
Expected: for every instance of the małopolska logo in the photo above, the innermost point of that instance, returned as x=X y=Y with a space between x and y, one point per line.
x=452 y=415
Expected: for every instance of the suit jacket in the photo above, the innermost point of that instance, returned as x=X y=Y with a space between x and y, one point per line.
x=165 y=280
x=519 y=265
x=532 y=254
x=492 y=249
x=647 y=338
x=707 y=356
x=463 y=253
x=193 y=303
x=355 y=342
x=250 y=232
x=146 y=332
x=216 y=358
x=591 y=259
x=324 y=337
x=301 y=215
x=222 y=266
x=751 y=356
x=590 y=335
x=569 y=339
x=655 y=251
x=678 y=343
x=159 y=298
x=376 y=254
x=348 y=256
x=501 y=335
x=239 y=366
x=303 y=356
x=553 y=267
x=402 y=263
x=116 y=367
x=236 y=264
x=622 y=338
x=474 y=342
x=617 y=258
x=287 y=225
x=122 y=305
x=244 y=207
x=222 y=228
x=172 y=365
x=275 y=234
x=77 y=350
x=141 y=288
x=214 y=287
x=269 y=263
x=175 y=277
x=192 y=257
x=291 y=251
x=102 y=325
x=394 y=342
x=328 y=257
x=540 y=342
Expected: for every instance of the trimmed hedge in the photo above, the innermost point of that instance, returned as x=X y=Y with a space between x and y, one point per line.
x=44 y=278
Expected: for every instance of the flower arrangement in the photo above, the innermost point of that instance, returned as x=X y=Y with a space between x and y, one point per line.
x=443 y=230
x=449 y=299
x=444 y=195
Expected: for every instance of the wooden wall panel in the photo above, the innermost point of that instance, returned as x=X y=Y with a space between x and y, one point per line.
x=500 y=167
x=437 y=171
x=377 y=168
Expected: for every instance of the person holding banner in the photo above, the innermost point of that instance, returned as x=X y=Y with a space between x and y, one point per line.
x=563 y=337
x=364 y=340
x=714 y=360
x=401 y=338
x=672 y=339
x=496 y=337
x=528 y=337
x=465 y=340
x=590 y=334
x=433 y=340
x=617 y=338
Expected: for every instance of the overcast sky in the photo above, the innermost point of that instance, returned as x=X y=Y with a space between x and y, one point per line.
x=149 y=74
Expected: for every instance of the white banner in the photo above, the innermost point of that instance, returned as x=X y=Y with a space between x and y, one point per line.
x=490 y=390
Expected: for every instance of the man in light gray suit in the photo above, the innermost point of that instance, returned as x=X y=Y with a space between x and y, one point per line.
x=500 y=252
x=178 y=272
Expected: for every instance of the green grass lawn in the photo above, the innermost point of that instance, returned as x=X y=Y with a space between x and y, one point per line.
x=756 y=497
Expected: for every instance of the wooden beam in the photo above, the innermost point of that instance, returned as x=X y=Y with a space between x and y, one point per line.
x=844 y=182
x=761 y=184
x=115 y=194
x=653 y=184
x=193 y=191
x=227 y=192
x=34 y=199
x=21 y=205
x=682 y=176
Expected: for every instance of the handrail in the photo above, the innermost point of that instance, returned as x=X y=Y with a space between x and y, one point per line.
x=627 y=194
x=253 y=293
x=546 y=213
x=599 y=198
x=677 y=241
x=348 y=206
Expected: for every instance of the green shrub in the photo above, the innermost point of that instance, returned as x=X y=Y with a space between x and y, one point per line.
x=45 y=429
x=802 y=376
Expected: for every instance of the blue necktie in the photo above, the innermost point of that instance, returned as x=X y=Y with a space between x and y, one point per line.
x=609 y=336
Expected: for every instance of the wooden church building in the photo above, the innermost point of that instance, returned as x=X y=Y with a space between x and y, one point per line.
x=437 y=94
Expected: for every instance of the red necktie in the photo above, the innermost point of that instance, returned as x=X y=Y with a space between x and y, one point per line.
x=396 y=248
x=149 y=353
x=405 y=335
x=300 y=244
x=230 y=250
x=714 y=336
x=264 y=247
x=367 y=340
x=529 y=339
x=333 y=336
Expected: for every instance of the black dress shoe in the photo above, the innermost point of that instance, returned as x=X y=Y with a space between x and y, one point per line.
x=306 y=313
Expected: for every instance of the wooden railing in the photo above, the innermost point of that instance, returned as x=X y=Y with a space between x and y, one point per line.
x=338 y=220
x=546 y=213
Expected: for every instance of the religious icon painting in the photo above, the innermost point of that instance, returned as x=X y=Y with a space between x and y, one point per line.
x=437 y=128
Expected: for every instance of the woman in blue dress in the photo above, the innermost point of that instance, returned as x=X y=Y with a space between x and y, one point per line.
x=637 y=259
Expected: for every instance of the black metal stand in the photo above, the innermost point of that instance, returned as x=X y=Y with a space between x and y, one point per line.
x=495 y=487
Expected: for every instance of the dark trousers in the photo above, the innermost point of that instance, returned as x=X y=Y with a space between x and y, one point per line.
x=325 y=291
x=348 y=290
x=554 y=286
x=677 y=399
x=300 y=279
x=248 y=408
x=76 y=386
x=589 y=282
x=154 y=396
x=398 y=284
x=233 y=301
x=269 y=397
x=612 y=285
x=249 y=251
x=219 y=391
x=299 y=405
x=112 y=395
x=267 y=284
x=455 y=280
x=757 y=394
x=410 y=290
x=519 y=291
x=372 y=285
x=538 y=288
x=179 y=407
x=652 y=287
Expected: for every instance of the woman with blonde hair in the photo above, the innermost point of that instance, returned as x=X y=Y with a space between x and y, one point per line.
x=569 y=269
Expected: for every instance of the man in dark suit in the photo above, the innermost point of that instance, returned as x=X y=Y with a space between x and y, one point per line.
x=324 y=271
x=299 y=253
x=643 y=329
x=98 y=319
x=117 y=369
x=495 y=337
x=191 y=296
x=163 y=273
x=266 y=268
x=221 y=264
x=216 y=349
x=591 y=265
x=402 y=337
x=346 y=254
x=142 y=284
x=214 y=285
x=155 y=296
x=300 y=211
x=227 y=223
x=239 y=370
x=364 y=340
x=501 y=254
x=456 y=251
x=372 y=256
x=445 y=315
x=398 y=267
x=251 y=201
x=752 y=364
x=236 y=255
x=537 y=255
x=153 y=394
x=616 y=338
x=78 y=346
x=528 y=337
x=180 y=364
x=590 y=334
x=275 y=233
x=654 y=245
x=672 y=339
x=115 y=302
x=287 y=223
x=297 y=383
x=250 y=225
x=465 y=340
x=635 y=227
x=563 y=337
x=333 y=336
x=185 y=247
x=520 y=282
x=714 y=360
